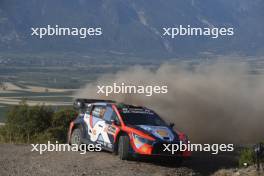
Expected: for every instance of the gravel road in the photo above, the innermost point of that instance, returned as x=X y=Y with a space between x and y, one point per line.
x=19 y=160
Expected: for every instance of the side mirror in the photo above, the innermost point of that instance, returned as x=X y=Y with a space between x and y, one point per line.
x=171 y=125
x=115 y=122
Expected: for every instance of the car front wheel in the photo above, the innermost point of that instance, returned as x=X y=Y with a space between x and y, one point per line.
x=123 y=148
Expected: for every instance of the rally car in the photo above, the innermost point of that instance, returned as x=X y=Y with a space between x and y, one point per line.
x=126 y=130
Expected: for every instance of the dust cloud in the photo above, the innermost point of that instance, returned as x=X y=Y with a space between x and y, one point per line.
x=213 y=103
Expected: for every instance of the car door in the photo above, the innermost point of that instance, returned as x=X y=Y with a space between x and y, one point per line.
x=97 y=125
x=111 y=129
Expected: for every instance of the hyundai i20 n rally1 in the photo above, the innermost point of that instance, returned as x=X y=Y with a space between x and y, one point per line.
x=126 y=130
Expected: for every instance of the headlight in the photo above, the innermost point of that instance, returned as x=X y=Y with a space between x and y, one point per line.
x=140 y=140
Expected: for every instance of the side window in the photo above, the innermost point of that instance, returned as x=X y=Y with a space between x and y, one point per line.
x=108 y=114
x=115 y=117
x=99 y=111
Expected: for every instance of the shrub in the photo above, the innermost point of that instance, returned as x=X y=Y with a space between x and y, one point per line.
x=36 y=124
x=246 y=156
x=60 y=123
x=24 y=121
x=3 y=134
x=249 y=156
x=42 y=138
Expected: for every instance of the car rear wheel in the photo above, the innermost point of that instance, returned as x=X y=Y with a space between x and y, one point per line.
x=123 y=148
x=76 y=137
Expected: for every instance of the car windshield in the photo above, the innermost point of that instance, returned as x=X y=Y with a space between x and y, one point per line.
x=141 y=117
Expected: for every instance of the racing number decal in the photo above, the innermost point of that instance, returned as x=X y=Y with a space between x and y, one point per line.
x=99 y=129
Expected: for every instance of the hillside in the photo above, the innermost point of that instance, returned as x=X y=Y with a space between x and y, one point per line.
x=133 y=27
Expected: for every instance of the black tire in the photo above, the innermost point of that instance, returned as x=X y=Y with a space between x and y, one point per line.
x=76 y=137
x=123 y=148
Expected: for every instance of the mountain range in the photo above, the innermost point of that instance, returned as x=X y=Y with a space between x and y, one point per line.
x=133 y=27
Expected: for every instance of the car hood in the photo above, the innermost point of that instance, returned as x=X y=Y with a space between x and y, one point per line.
x=161 y=132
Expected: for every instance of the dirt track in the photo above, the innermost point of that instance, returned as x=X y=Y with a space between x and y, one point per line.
x=19 y=160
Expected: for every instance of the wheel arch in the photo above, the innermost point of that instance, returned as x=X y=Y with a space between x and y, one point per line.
x=74 y=126
x=121 y=133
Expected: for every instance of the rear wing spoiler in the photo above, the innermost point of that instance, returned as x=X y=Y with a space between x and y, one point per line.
x=82 y=104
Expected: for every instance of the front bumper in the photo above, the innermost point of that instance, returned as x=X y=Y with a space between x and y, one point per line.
x=157 y=149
